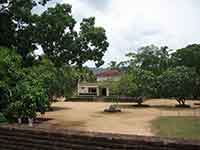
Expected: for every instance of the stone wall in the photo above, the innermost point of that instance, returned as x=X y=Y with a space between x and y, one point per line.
x=23 y=138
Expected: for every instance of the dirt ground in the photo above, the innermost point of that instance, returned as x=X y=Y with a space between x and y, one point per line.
x=89 y=116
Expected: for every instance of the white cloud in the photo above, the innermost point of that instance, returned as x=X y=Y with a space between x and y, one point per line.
x=134 y=23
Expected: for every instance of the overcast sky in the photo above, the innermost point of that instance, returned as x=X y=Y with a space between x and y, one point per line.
x=131 y=24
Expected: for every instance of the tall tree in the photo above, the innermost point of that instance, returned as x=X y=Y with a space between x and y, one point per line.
x=64 y=45
x=113 y=65
x=10 y=74
x=17 y=25
x=136 y=83
x=188 y=56
x=151 y=58
x=177 y=83
x=54 y=31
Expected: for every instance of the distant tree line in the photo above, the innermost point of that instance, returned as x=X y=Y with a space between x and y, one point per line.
x=161 y=73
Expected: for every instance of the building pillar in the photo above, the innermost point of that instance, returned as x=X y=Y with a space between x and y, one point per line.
x=78 y=86
x=98 y=93
x=107 y=92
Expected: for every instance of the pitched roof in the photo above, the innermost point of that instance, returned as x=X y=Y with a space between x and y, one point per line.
x=109 y=73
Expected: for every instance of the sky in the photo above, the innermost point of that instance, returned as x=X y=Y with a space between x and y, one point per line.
x=131 y=24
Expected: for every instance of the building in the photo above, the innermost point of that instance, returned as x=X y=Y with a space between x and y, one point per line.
x=101 y=87
x=113 y=75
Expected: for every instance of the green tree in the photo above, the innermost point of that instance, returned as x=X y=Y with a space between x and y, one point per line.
x=177 y=83
x=145 y=81
x=28 y=81
x=22 y=86
x=54 y=31
x=125 y=86
x=18 y=25
x=32 y=95
x=150 y=58
x=188 y=56
x=84 y=74
x=63 y=83
x=63 y=45
x=10 y=72
x=136 y=83
x=113 y=65
x=122 y=66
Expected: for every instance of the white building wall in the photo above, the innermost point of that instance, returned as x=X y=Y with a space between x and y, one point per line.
x=116 y=78
x=85 y=89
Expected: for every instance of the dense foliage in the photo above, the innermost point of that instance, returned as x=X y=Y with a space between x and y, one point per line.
x=29 y=82
x=10 y=65
x=151 y=58
x=53 y=30
x=177 y=82
x=23 y=90
x=135 y=83
x=162 y=73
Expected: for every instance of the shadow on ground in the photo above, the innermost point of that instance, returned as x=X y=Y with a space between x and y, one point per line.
x=56 y=108
x=162 y=107
x=70 y=124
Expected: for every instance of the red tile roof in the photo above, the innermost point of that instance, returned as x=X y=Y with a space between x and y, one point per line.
x=109 y=73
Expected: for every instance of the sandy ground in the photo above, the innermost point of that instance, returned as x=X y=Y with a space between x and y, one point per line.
x=90 y=116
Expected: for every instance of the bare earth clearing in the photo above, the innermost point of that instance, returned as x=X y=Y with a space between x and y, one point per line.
x=89 y=116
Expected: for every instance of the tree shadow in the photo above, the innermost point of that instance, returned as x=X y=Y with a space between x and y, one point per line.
x=174 y=108
x=161 y=107
x=133 y=106
x=40 y=120
x=70 y=124
x=197 y=104
x=102 y=112
x=58 y=108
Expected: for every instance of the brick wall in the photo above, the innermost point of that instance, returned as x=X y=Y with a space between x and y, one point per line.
x=20 y=138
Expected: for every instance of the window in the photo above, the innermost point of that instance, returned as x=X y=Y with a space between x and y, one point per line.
x=92 y=90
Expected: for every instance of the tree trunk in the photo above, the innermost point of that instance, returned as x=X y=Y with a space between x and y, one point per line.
x=19 y=120
x=140 y=100
x=30 y=122
x=181 y=100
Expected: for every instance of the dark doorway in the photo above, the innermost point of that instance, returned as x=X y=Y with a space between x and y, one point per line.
x=104 y=92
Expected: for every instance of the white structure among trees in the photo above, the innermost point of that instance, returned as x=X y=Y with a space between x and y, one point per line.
x=99 y=88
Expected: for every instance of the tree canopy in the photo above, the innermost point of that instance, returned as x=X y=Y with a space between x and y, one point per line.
x=160 y=72
x=188 y=56
x=54 y=30
x=178 y=83
x=151 y=58
x=28 y=82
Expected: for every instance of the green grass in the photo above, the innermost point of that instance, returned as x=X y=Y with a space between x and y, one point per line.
x=2 y=118
x=179 y=127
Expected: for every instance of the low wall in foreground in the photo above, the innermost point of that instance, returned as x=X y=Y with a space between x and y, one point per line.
x=18 y=138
